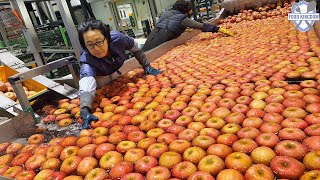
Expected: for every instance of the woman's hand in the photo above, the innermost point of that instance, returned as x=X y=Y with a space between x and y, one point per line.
x=87 y=118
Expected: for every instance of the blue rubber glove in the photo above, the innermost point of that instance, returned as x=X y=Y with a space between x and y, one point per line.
x=87 y=118
x=152 y=71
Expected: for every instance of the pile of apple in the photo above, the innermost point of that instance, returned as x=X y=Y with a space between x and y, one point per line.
x=269 y=10
x=7 y=90
x=223 y=108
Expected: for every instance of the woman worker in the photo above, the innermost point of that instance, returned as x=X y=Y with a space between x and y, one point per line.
x=104 y=54
x=174 y=22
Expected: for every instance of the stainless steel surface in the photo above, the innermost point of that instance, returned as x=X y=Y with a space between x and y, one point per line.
x=36 y=5
x=20 y=93
x=67 y=51
x=51 y=11
x=69 y=24
x=29 y=31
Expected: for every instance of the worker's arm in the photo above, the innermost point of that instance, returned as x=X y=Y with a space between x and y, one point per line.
x=133 y=47
x=204 y=27
x=87 y=89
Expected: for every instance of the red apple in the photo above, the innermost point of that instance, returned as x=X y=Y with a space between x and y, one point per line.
x=211 y=164
x=86 y=165
x=238 y=161
x=183 y=170
x=144 y=164
x=267 y=139
x=109 y=159
x=291 y=148
x=194 y=154
x=158 y=172
x=229 y=174
x=259 y=171
x=287 y=167
x=95 y=174
x=70 y=164
x=120 y=169
x=312 y=143
x=169 y=159
x=262 y=155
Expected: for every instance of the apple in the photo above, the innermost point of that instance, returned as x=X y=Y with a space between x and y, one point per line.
x=254 y=122
x=95 y=174
x=255 y=113
x=188 y=134
x=313 y=108
x=109 y=159
x=172 y=114
x=246 y=100
x=69 y=141
x=25 y=175
x=227 y=139
x=12 y=172
x=229 y=174
x=165 y=123
x=87 y=150
x=287 y=167
x=70 y=164
x=259 y=171
x=134 y=176
x=313 y=130
x=311 y=98
x=51 y=163
x=211 y=132
x=54 y=151
x=14 y=148
x=238 y=161
x=274 y=98
x=156 y=149
x=55 y=141
x=35 y=162
x=312 y=143
x=248 y=132
x=144 y=164
x=44 y=174
x=244 y=145
x=183 y=170
x=208 y=107
x=216 y=123
x=116 y=138
x=20 y=159
x=120 y=169
x=262 y=155
x=200 y=175
x=179 y=145
x=194 y=154
x=227 y=103
x=203 y=141
x=291 y=148
x=313 y=118
x=267 y=139
x=272 y=127
x=3 y=169
x=155 y=116
x=311 y=159
x=230 y=128
x=314 y=174
x=82 y=141
x=221 y=112
x=42 y=149
x=6 y=159
x=132 y=155
x=294 y=123
x=291 y=134
x=145 y=143
x=169 y=159
x=86 y=165
x=166 y=138
x=158 y=172
x=68 y=152
x=155 y=132
x=211 y=164
x=257 y=104
x=294 y=112
x=235 y=118
x=175 y=129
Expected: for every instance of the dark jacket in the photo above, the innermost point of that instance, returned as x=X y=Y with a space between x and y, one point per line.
x=93 y=66
x=171 y=25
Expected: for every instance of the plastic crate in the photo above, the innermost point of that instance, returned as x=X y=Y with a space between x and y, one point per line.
x=6 y=72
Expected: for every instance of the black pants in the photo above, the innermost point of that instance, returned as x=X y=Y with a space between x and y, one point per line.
x=157 y=37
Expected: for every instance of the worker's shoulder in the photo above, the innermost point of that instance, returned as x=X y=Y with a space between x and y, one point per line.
x=116 y=35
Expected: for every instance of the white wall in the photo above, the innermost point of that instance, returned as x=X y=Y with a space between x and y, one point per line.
x=102 y=11
x=164 y=5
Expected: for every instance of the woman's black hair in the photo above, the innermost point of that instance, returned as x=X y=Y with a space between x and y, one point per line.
x=93 y=25
x=182 y=6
